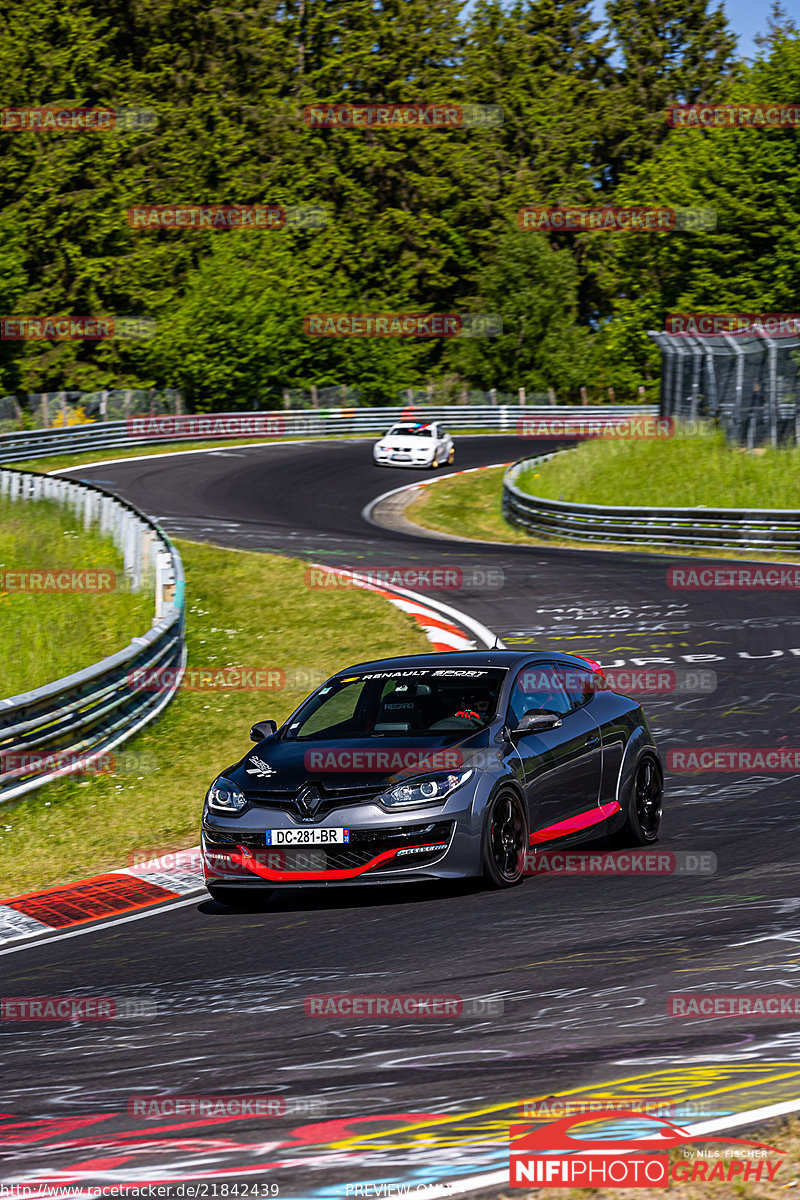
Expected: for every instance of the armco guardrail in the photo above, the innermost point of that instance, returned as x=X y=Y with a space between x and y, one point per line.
x=333 y=422
x=720 y=528
x=61 y=728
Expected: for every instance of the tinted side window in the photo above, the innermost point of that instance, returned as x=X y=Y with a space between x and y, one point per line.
x=537 y=686
x=579 y=683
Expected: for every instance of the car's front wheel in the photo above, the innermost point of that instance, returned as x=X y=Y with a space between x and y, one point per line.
x=505 y=841
x=643 y=816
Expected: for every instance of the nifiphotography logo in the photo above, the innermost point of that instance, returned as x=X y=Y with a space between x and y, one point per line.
x=549 y=1155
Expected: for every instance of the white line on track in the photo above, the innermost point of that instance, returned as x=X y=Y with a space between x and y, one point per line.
x=326 y=441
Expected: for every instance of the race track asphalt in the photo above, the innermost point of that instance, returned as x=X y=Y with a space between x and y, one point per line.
x=584 y=965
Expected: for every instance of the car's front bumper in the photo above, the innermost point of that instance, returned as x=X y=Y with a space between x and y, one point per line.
x=383 y=847
x=389 y=460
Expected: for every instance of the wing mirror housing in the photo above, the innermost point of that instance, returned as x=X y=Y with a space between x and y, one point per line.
x=536 y=720
x=263 y=729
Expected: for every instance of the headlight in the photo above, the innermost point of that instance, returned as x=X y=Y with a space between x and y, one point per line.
x=432 y=790
x=225 y=797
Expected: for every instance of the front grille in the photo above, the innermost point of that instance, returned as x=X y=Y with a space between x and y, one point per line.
x=364 y=845
x=332 y=798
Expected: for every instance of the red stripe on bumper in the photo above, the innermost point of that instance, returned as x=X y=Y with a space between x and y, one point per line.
x=256 y=868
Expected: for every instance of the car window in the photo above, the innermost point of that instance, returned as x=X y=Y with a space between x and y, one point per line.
x=579 y=683
x=426 y=701
x=537 y=685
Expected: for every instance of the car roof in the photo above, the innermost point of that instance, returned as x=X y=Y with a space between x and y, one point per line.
x=462 y=658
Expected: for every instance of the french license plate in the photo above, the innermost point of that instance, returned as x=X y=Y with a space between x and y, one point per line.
x=307 y=837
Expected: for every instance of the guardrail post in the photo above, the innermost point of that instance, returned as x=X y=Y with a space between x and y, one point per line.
x=772 y=388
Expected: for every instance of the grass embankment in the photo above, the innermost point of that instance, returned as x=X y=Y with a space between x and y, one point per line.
x=687 y=471
x=47 y=635
x=244 y=610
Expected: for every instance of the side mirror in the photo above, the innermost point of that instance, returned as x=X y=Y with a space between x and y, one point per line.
x=537 y=720
x=263 y=729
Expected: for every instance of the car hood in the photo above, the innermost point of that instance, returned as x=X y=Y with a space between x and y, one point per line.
x=275 y=765
x=408 y=441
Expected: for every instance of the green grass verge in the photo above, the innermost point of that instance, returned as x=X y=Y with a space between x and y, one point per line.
x=47 y=635
x=688 y=470
x=243 y=610
x=470 y=505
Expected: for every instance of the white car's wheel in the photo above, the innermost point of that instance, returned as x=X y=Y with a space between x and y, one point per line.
x=451 y=455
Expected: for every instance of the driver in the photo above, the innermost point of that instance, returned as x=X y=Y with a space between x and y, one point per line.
x=470 y=707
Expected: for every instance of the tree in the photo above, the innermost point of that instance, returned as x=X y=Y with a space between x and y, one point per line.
x=672 y=52
x=534 y=289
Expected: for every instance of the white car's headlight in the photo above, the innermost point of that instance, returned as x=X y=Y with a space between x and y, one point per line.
x=225 y=797
x=433 y=789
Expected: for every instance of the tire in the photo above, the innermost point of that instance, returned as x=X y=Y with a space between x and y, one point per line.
x=644 y=807
x=451 y=456
x=505 y=841
x=435 y=462
x=234 y=897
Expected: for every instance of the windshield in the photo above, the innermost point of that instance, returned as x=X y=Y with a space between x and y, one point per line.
x=421 y=701
x=410 y=431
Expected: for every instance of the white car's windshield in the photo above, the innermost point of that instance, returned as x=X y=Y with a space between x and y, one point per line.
x=410 y=431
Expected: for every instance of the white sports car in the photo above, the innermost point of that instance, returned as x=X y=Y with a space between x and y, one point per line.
x=414 y=444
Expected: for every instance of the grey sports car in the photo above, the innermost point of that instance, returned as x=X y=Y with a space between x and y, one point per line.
x=433 y=767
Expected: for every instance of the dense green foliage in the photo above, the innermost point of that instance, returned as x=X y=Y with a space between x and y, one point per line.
x=417 y=220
